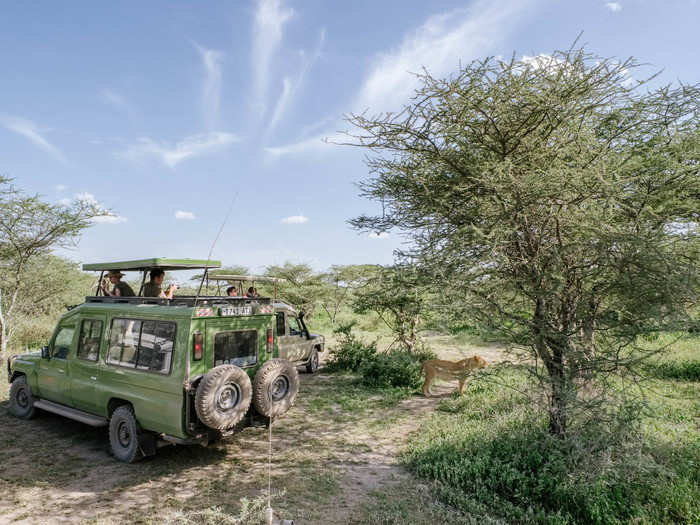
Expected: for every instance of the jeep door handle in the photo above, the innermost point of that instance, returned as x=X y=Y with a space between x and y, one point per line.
x=61 y=371
x=94 y=378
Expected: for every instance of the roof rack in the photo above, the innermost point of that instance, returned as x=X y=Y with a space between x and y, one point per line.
x=184 y=300
x=233 y=277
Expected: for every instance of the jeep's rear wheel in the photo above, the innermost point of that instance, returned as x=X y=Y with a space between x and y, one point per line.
x=275 y=387
x=223 y=397
x=124 y=435
x=21 y=403
x=312 y=365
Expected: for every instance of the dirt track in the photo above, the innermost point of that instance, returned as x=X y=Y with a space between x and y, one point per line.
x=337 y=444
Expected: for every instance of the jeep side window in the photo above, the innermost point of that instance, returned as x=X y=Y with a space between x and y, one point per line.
x=156 y=346
x=294 y=328
x=280 y=323
x=141 y=344
x=89 y=342
x=124 y=342
x=61 y=345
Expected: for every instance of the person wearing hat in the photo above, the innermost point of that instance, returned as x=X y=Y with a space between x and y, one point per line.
x=120 y=289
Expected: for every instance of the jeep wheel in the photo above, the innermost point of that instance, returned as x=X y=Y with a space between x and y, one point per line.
x=312 y=365
x=124 y=435
x=21 y=400
x=275 y=387
x=223 y=397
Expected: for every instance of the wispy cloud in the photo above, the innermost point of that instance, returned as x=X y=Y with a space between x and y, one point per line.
x=318 y=143
x=439 y=45
x=211 y=90
x=378 y=235
x=184 y=215
x=295 y=219
x=61 y=187
x=171 y=155
x=117 y=101
x=268 y=26
x=291 y=85
x=33 y=133
x=614 y=6
x=89 y=198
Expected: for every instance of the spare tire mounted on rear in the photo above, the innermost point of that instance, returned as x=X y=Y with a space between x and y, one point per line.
x=223 y=397
x=275 y=387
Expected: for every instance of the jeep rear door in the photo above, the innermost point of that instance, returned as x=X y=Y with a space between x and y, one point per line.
x=239 y=341
x=84 y=366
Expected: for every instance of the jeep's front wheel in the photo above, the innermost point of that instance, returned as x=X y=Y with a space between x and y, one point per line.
x=223 y=397
x=124 y=435
x=275 y=387
x=312 y=365
x=21 y=403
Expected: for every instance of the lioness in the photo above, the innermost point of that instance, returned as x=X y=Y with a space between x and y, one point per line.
x=450 y=370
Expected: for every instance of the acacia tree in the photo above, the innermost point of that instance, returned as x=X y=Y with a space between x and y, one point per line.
x=29 y=229
x=558 y=199
x=398 y=295
x=301 y=286
x=340 y=283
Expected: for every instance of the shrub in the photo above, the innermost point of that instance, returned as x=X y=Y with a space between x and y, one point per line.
x=351 y=352
x=397 y=368
x=682 y=371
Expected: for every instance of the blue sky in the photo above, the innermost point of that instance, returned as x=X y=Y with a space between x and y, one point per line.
x=167 y=112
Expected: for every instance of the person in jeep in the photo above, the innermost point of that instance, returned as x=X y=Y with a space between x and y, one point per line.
x=120 y=289
x=153 y=288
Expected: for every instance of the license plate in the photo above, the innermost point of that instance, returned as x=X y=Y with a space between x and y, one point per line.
x=235 y=310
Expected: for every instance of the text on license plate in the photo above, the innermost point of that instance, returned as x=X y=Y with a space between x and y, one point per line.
x=236 y=310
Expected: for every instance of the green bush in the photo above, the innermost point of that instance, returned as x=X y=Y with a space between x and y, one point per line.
x=395 y=368
x=682 y=371
x=351 y=352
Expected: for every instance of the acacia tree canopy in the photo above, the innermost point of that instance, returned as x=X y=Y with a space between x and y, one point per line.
x=558 y=199
x=29 y=229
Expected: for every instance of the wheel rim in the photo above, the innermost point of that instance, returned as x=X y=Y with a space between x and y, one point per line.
x=279 y=388
x=22 y=398
x=228 y=397
x=123 y=434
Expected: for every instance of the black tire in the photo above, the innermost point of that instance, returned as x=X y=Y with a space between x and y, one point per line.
x=21 y=403
x=275 y=387
x=125 y=435
x=223 y=397
x=312 y=365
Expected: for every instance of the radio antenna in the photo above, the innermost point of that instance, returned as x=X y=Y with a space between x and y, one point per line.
x=211 y=250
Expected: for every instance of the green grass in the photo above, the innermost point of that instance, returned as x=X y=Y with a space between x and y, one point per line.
x=489 y=454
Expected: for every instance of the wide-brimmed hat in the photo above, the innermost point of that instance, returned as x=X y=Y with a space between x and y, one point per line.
x=115 y=273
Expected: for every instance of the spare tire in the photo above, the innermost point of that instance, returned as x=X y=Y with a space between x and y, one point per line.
x=275 y=387
x=223 y=397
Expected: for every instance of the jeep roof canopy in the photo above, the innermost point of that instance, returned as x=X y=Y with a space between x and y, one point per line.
x=157 y=262
x=161 y=263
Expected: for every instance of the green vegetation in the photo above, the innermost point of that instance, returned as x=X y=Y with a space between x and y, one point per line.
x=490 y=453
x=553 y=202
x=396 y=368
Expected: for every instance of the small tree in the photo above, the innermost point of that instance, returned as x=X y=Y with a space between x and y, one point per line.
x=557 y=199
x=397 y=294
x=29 y=229
x=340 y=283
x=301 y=286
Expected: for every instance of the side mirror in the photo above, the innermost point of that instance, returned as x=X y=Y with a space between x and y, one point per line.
x=45 y=352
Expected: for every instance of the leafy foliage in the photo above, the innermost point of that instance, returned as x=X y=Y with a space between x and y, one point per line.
x=350 y=353
x=397 y=368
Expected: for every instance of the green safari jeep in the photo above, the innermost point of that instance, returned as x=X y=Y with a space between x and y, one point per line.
x=156 y=370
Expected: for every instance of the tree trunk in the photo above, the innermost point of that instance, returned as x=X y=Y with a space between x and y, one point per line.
x=557 y=408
